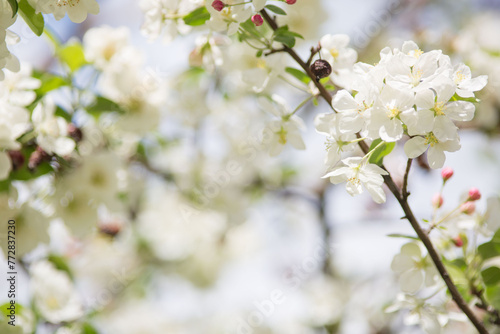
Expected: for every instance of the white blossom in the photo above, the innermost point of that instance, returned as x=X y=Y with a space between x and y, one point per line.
x=77 y=10
x=285 y=129
x=51 y=130
x=54 y=295
x=358 y=173
x=415 y=269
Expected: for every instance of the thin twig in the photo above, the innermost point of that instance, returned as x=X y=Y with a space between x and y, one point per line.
x=404 y=190
x=457 y=297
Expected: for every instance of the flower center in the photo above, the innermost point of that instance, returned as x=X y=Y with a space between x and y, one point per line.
x=459 y=77
x=334 y=53
x=282 y=136
x=430 y=139
x=415 y=76
x=417 y=53
x=393 y=112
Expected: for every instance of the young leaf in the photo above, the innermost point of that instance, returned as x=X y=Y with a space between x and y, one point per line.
x=49 y=82
x=276 y=9
x=285 y=38
x=197 y=17
x=491 y=275
x=378 y=155
x=395 y=235
x=14 y=6
x=103 y=104
x=72 y=55
x=33 y=20
x=88 y=329
x=301 y=76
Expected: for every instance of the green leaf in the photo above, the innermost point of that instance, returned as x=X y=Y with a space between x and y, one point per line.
x=14 y=6
x=491 y=248
x=49 y=82
x=102 y=105
x=60 y=264
x=33 y=20
x=88 y=329
x=396 y=235
x=283 y=35
x=378 y=155
x=259 y=54
x=493 y=295
x=60 y=112
x=197 y=17
x=456 y=97
x=296 y=34
x=298 y=74
x=23 y=173
x=276 y=9
x=72 y=55
x=286 y=39
x=491 y=275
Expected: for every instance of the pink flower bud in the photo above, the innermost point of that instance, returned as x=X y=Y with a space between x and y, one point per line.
x=257 y=20
x=468 y=208
x=458 y=241
x=474 y=194
x=291 y=2
x=218 y=5
x=437 y=200
x=446 y=173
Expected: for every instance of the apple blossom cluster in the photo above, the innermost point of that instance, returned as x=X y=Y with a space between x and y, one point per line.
x=408 y=92
x=455 y=230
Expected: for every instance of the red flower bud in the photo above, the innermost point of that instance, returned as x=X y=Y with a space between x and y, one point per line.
x=437 y=200
x=446 y=173
x=257 y=20
x=291 y=2
x=218 y=5
x=17 y=159
x=474 y=194
x=468 y=208
x=458 y=241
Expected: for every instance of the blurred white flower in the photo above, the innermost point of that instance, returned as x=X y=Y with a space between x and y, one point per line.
x=286 y=129
x=415 y=269
x=174 y=228
x=17 y=87
x=336 y=142
x=51 y=130
x=163 y=18
x=431 y=318
x=77 y=10
x=229 y=18
x=54 y=294
x=102 y=44
x=335 y=50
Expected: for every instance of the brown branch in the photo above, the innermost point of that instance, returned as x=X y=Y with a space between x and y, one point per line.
x=404 y=190
x=484 y=305
x=314 y=51
x=403 y=202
